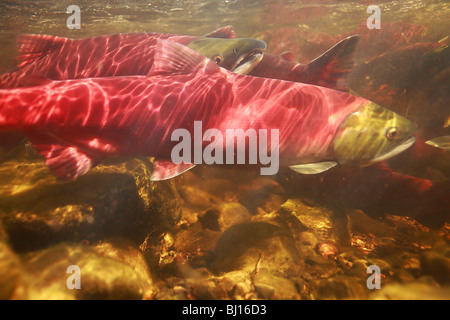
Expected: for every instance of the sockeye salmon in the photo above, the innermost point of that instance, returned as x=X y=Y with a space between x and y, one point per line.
x=74 y=124
x=123 y=54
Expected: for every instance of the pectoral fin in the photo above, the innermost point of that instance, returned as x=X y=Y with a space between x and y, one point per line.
x=163 y=170
x=440 y=142
x=313 y=168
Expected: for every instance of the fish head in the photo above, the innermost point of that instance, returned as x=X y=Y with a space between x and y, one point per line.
x=239 y=55
x=372 y=134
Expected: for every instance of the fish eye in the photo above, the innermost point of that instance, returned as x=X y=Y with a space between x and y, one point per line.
x=391 y=133
x=217 y=59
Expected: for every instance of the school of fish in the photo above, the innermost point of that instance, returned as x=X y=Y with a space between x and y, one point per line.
x=76 y=123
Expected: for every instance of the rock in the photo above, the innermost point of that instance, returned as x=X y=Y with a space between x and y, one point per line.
x=359 y=268
x=307 y=239
x=411 y=291
x=242 y=288
x=125 y=252
x=11 y=274
x=264 y=291
x=316 y=219
x=195 y=239
x=364 y=224
x=217 y=187
x=343 y=287
x=116 y=200
x=202 y=290
x=261 y=193
x=403 y=276
x=197 y=198
x=274 y=286
x=237 y=240
x=210 y=219
x=231 y=213
x=327 y=249
x=100 y=277
x=436 y=265
x=384 y=266
x=180 y=293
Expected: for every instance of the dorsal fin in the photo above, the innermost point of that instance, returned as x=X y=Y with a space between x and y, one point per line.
x=32 y=47
x=332 y=68
x=174 y=58
x=224 y=32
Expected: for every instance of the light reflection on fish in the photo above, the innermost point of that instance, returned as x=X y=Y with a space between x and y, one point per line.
x=75 y=124
x=122 y=54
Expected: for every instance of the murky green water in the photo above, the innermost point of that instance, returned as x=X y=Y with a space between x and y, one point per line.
x=231 y=234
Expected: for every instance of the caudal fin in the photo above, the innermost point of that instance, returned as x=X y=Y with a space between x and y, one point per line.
x=333 y=67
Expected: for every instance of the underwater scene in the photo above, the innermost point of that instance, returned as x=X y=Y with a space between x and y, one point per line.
x=225 y=150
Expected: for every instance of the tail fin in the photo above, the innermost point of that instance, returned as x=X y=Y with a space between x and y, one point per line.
x=332 y=68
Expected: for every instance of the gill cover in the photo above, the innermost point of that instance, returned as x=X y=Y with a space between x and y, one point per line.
x=372 y=134
x=231 y=54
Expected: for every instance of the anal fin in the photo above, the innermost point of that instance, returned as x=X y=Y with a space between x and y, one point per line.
x=164 y=170
x=66 y=162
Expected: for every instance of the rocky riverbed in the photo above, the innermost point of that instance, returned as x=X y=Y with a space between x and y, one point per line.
x=208 y=234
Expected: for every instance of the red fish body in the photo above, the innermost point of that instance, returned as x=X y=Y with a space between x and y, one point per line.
x=63 y=58
x=75 y=124
x=60 y=58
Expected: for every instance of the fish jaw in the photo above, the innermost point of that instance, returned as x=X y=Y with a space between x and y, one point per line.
x=247 y=63
x=395 y=151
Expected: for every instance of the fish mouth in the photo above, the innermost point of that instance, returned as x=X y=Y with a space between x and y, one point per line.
x=246 y=63
x=395 y=151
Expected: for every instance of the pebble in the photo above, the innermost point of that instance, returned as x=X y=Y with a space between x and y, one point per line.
x=327 y=249
x=264 y=291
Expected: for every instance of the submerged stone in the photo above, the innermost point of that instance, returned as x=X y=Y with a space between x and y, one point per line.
x=11 y=273
x=118 y=200
x=100 y=277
